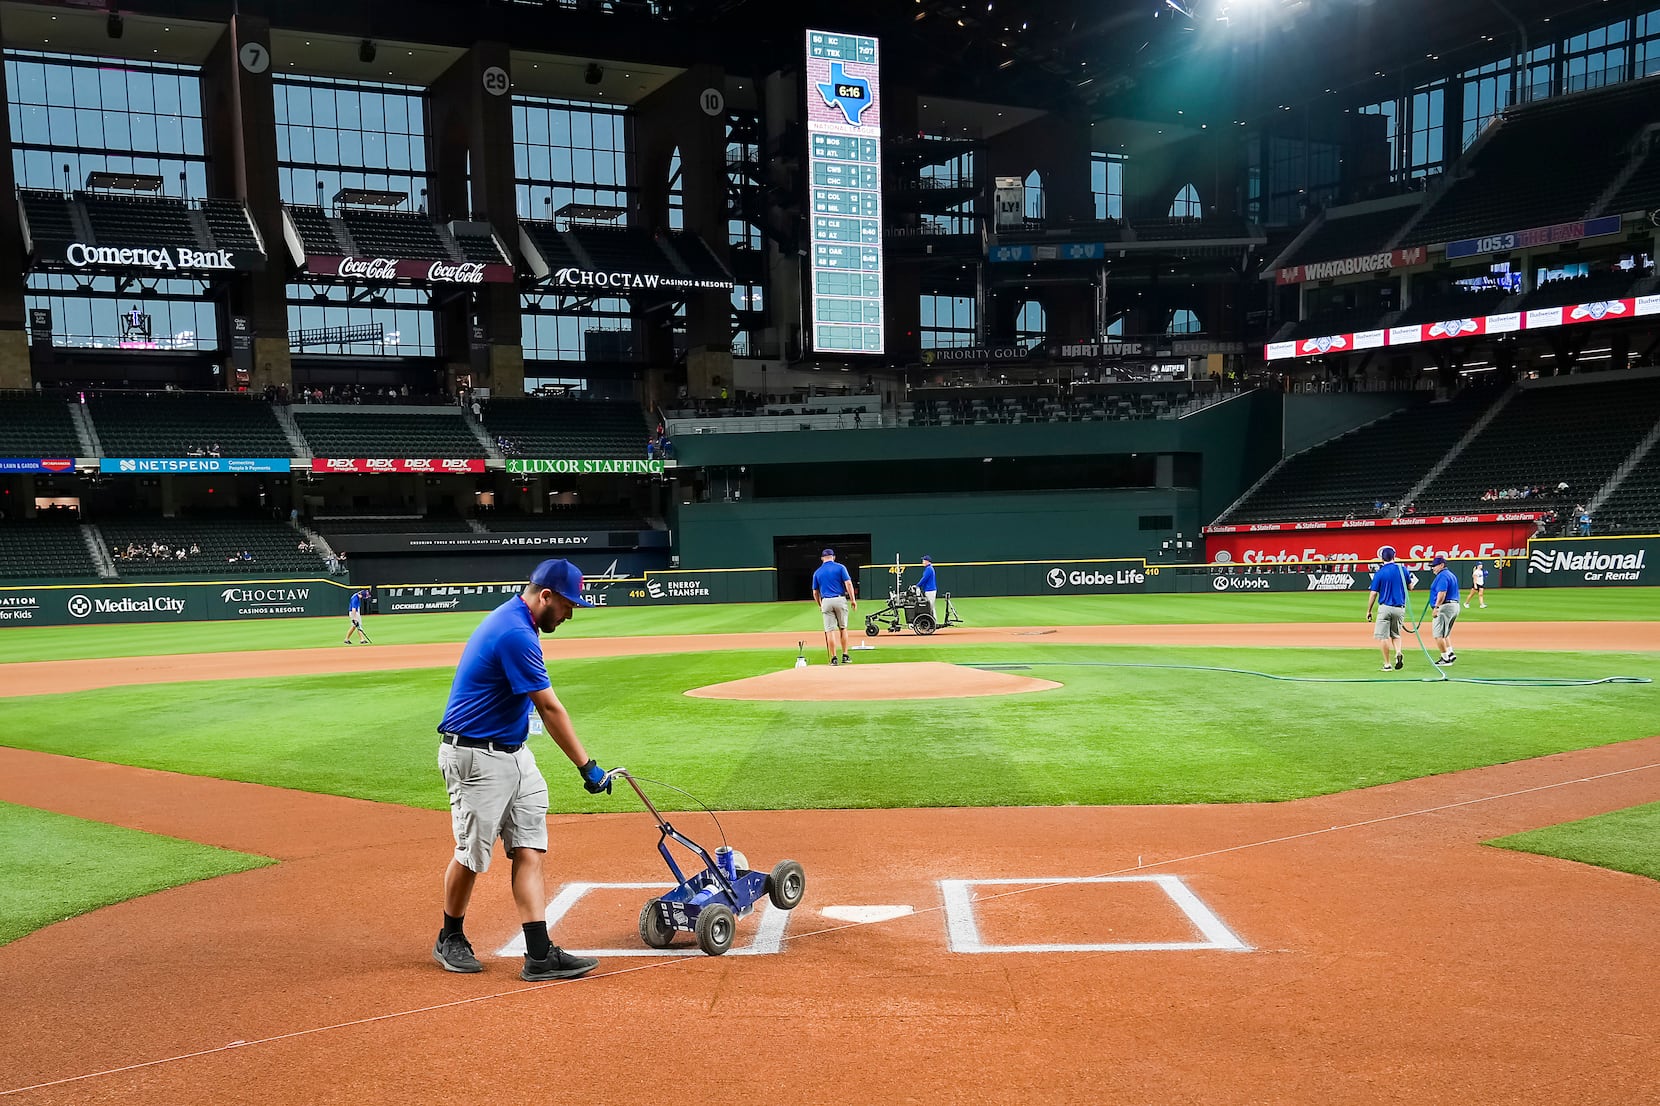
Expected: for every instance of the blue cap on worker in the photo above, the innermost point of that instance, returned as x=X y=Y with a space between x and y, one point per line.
x=1386 y=553
x=927 y=560
x=1438 y=560
x=562 y=578
x=828 y=553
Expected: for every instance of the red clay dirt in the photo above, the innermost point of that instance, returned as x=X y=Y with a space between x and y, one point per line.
x=46 y=677
x=1392 y=958
x=873 y=682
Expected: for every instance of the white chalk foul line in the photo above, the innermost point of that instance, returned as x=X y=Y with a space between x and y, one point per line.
x=656 y=964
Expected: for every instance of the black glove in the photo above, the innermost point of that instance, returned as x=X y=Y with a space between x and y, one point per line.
x=593 y=778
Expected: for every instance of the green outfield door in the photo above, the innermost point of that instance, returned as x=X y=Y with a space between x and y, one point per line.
x=797 y=558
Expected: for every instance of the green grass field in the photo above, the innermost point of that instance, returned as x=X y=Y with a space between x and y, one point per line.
x=1626 y=841
x=1111 y=735
x=57 y=867
x=159 y=639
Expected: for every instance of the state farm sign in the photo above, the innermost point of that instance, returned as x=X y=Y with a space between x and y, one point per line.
x=385 y=270
x=425 y=465
x=165 y=259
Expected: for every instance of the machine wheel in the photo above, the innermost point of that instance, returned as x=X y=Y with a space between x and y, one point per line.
x=716 y=927
x=787 y=884
x=652 y=930
x=872 y=627
x=923 y=624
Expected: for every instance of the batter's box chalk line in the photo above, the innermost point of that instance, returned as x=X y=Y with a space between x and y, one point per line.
x=768 y=939
x=964 y=930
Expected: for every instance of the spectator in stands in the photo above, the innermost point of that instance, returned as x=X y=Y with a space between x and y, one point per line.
x=651 y=449
x=213 y=450
x=666 y=448
x=304 y=546
x=180 y=554
x=1583 y=518
x=194 y=549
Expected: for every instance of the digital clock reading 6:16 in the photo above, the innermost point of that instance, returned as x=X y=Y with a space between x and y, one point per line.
x=851 y=91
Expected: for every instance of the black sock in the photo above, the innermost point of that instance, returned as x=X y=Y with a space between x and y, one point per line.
x=537 y=944
x=452 y=925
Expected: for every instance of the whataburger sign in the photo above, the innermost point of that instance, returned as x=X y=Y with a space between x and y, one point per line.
x=584 y=468
x=1352 y=266
x=1543 y=318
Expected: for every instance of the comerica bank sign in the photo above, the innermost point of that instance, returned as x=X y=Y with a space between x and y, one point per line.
x=161 y=259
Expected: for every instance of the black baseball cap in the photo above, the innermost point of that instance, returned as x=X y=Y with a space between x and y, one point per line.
x=562 y=578
x=828 y=553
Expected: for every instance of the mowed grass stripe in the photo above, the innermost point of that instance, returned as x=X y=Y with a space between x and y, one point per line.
x=1624 y=840
x=160 y=639
x=1109 y=736
x=56 y=867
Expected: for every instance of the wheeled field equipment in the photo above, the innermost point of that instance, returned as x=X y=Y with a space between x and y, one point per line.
x=708 y=903
x=908 y=605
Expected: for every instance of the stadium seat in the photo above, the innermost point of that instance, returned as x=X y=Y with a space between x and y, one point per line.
x=386 y=432
x=44 y=549
x=173 y=424
x=34 y=425
x=273 y=546
x=569 y=430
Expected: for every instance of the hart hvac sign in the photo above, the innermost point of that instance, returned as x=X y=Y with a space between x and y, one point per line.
x=1594 y=562
x=584 y=468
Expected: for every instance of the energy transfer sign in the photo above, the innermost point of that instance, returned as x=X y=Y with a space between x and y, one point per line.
x=584 y=468
x=844 y=185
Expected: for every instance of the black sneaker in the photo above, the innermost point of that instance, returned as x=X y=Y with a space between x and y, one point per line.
x=846 y=659
x=559 y=965
x=455 y=954
x=834 y=662
x=1398 y=662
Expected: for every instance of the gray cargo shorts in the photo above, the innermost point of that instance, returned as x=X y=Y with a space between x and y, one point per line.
x=834 y=609
x=1445 y=615
x=494 y=795
x=1390 y=621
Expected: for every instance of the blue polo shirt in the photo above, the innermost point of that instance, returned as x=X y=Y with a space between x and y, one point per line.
x=927 y=583
x=500 y=668
x=831 y=580
x=1389 y=582
x=1447 y=582
x=356 y=604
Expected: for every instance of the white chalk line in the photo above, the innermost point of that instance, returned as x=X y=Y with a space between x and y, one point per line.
x=666 y=963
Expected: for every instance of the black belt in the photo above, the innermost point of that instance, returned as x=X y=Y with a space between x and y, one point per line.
x=477 y=743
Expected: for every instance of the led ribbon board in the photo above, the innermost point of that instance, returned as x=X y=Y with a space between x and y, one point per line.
x=844 y=166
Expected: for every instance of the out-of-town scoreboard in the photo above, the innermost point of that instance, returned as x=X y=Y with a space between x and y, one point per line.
x=844 y=165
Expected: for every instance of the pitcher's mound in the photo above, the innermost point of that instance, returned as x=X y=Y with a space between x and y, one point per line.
x=822 y=683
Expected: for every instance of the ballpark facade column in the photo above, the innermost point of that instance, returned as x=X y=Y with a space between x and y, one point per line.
x=14 y=343
x=470 y=149
x=240 y=116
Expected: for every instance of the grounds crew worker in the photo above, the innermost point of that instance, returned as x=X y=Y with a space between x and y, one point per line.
x=1388 y=595
x=833 y=591
x=495 y=788
x=929 y=585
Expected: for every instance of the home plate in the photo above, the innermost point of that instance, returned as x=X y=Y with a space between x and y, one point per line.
x=862 y=914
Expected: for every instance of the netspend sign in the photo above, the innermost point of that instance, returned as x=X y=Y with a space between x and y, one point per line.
x=1594 y=562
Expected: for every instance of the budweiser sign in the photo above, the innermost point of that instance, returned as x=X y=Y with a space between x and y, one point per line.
x=371 y=465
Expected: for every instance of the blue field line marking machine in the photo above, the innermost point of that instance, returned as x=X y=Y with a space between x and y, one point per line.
x=709 y=902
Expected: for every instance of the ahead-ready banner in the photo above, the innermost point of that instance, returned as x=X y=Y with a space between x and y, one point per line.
x=1413 y=539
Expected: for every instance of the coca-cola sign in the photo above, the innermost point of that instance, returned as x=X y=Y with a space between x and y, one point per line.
x=386 y=270
x=362 y=268
x=370 y=465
